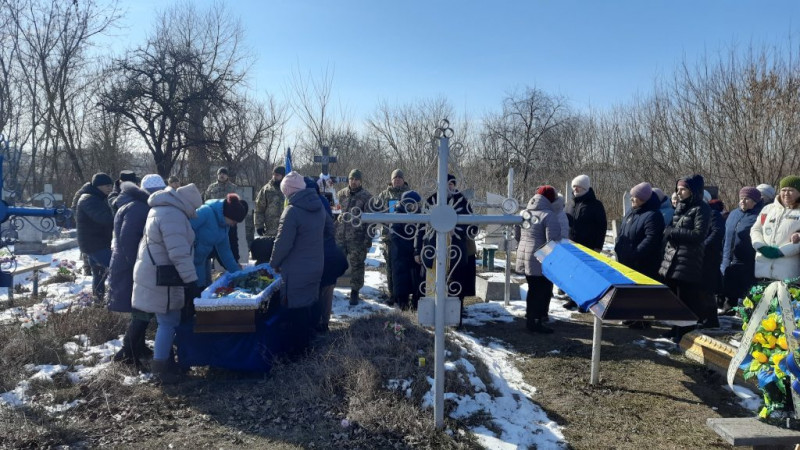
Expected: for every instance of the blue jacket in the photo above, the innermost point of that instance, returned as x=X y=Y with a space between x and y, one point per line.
x=132 y=208
x=211 y=233
x=667 y=211
x=639 y=242
x=738 y=248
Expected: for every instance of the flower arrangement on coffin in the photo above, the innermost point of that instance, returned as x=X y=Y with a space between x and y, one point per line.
x=251 y=283
x=245 y=289
x=767 y=359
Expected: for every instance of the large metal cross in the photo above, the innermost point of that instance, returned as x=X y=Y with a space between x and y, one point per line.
x=441 y=219
x=326 y=158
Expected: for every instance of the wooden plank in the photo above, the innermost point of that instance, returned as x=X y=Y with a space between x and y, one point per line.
x=20 y=270
x=749 y=431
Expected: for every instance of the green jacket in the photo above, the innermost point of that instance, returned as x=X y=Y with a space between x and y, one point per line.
x=346 y=233
x=219 y=190
x=268 y=209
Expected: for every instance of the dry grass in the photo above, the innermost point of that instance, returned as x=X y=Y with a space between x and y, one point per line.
x=300 y=404
x=44 y=343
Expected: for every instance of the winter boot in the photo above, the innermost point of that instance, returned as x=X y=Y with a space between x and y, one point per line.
x=538 y=327
x=136 y=331
x=125 y=354
x=353 y=297
x=164 y=371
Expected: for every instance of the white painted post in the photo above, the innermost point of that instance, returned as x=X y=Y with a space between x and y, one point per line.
x=596 y=343
x=507 y=243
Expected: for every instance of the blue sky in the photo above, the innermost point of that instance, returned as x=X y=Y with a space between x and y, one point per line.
x=595 y=53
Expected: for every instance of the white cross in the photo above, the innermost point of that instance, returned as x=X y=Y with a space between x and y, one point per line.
x=442 y=219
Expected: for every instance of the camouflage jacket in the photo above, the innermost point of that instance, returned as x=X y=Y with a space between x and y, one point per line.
x=219 y=190
x=268 y=209
x=346 y=233
x=382 y=201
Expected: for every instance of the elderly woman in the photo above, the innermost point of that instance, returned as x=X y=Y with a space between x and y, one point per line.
x=777 y=255
x=638 y=243
x=168 y=240
x=544 y=227
x=738 y=255
x=682 y=266
x=299 y=257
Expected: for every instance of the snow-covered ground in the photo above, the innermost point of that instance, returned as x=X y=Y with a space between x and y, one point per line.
x=522 y=422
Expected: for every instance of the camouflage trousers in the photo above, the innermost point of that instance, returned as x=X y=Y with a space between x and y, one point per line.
x=356 y=255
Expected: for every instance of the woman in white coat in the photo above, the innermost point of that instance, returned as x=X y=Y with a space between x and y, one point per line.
x=168 y=240
x=777 y=257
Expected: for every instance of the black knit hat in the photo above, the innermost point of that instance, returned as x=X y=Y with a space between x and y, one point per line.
x=280 y=170
x=451 y=177
x=234 y=208
x=101 y=179
x=222 y=170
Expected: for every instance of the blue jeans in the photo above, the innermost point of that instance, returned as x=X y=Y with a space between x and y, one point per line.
x=165 y=333
x=99 y=262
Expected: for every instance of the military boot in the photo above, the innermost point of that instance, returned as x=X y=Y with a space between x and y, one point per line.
x=353 y=297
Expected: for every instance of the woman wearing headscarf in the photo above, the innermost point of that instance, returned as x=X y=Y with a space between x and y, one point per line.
x=168 y=240
x=298 y=256
x=545 y=227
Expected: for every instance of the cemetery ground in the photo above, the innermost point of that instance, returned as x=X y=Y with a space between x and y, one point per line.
x=361 y=386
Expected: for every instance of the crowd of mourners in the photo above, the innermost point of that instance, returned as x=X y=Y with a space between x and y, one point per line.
x=708 y=256
x=132 y=231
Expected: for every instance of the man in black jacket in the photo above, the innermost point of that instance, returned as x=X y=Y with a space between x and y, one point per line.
x=95 y=228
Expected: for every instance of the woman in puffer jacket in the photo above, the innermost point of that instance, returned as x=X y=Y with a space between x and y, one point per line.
x=682 y=266
x=544 y=228
x=777 y=257
x=168 y=240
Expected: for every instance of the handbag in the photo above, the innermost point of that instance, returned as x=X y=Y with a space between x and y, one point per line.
x=166 y=274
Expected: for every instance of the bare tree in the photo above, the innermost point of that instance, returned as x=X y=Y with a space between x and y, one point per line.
x=192 y=64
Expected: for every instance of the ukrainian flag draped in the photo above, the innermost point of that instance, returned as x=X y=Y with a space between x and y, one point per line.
x=586 y=275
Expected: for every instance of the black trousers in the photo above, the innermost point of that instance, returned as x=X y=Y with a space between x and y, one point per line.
x=540 y=290
x=700 y=301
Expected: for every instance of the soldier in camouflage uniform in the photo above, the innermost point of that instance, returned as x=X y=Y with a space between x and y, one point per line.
x=267 y=214
x=385 y=202
x=220 y=189
x=354 y=241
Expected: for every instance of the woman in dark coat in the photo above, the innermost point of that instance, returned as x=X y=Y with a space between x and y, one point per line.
x=712 y=258
x=682 y=266
x=406 y=272
x=639 y=241
x=738 y=256
x=298 y=255
x=460 y=277
x=132 y=208
x=334 y=263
